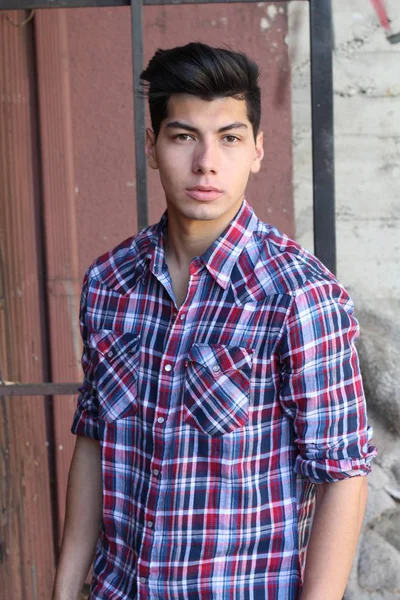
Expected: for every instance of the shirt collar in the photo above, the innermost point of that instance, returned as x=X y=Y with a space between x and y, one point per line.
x=156 y=248
x=221 y=256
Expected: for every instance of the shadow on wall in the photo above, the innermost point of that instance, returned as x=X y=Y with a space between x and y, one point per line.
x=376 y=569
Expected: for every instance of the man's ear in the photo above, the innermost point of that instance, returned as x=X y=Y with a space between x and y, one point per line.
x=258 y=153
x=150 y=148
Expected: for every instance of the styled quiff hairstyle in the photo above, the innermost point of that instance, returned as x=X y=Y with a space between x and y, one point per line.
x=202 y=71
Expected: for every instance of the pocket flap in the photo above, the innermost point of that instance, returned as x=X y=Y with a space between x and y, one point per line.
x=112 y=343
x=217 y=357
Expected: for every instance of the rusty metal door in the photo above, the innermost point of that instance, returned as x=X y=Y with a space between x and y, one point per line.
x=68 y=185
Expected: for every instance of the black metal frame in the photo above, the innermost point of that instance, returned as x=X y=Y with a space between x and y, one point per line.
x=321 y=43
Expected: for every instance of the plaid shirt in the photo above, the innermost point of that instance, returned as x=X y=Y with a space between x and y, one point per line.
x=216 y=419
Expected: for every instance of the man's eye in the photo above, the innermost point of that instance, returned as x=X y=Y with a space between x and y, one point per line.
x=231 y=139
x=183 y=136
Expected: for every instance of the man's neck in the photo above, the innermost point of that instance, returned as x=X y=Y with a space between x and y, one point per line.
x=187 y=238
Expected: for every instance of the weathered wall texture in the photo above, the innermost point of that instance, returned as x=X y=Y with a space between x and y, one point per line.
x=367 y=147
x=67 y=188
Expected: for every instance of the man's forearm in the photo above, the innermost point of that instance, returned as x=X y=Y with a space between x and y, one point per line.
x=82 y=521
x=336 y=527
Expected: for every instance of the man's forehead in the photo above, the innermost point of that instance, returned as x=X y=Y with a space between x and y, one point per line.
x=193 y=110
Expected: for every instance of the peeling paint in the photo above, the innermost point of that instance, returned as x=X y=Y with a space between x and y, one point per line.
x=366 y=91
x=73 y=311
x=272 y=11
x=34 y=581
x=394 y=90
x=264 y=24
x=219 y=21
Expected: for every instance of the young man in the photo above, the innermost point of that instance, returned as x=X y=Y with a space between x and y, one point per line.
x=222 y=399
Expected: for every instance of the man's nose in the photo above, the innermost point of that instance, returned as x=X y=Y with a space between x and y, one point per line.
x=205 y=158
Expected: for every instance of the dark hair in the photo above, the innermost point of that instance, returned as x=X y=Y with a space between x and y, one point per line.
x=202 y=71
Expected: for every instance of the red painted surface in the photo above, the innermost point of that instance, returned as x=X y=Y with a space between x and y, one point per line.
x=241 y=27
x=87 y=185
x=26 y=536
x=60 y=227
x=102 y=110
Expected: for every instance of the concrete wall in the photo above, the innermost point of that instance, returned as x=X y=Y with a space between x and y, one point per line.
x=367 y=143
x=367 y=152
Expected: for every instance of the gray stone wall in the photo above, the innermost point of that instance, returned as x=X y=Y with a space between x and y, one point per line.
x=367 y=149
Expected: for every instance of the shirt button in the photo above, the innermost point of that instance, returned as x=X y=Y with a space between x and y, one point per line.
x=168 y=367
x=156 y=471
x=143 y=580
x=216 y=368
x=182 y=316
x=161 y=419
x=110 y=354
x=149 y=523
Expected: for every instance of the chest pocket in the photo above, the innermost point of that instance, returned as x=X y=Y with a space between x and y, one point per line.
x=116 y=361
x=217 y=388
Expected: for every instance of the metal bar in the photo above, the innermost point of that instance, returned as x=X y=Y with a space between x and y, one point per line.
x=31 y=4
x=321 y=40
x=139 y=115
x=39 y=389
x=166 y=2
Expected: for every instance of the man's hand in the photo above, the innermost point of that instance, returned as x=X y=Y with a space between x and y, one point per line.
x=336 y=527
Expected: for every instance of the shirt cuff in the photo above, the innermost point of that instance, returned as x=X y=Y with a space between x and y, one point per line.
x=329 y=468
x=85 y=421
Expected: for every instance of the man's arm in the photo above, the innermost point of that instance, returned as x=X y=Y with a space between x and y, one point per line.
x=322 y=394
x=82 y=521
x=336 y=527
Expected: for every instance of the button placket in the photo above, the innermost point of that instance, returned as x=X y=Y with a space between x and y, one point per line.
x=167 y=370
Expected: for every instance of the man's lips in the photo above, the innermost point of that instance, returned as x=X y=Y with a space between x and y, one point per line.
x=204 y=188
x=204 y=193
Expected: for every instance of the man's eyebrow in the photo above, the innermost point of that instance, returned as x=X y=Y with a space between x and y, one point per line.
x=187 y=127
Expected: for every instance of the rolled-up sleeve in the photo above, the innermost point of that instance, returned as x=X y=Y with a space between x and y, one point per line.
x=85 y=421
x=321 y=385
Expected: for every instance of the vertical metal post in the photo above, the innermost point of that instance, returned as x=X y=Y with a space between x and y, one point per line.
x=139 y=114
x=321 y=36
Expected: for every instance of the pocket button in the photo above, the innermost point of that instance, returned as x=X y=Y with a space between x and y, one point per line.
x=216 y=368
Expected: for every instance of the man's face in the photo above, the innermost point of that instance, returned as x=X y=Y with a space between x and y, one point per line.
x=202 y=145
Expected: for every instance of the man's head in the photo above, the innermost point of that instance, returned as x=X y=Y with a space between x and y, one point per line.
x=205 y=72
x=205 y=115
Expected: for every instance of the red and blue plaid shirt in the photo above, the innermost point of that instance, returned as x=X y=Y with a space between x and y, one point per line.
x=216 y=419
